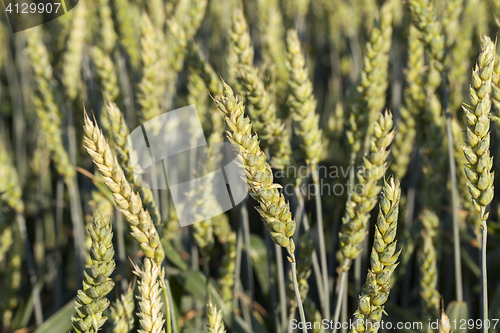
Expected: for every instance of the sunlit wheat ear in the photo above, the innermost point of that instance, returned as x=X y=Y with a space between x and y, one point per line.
x=150 y=304
x=91 y=301
x=274 y=210
x=127 y=201
x=120 y=133
x=477 y=144
x=383 y=259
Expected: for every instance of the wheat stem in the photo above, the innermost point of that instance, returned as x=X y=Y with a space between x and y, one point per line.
x=297 y=295
x=321 y=237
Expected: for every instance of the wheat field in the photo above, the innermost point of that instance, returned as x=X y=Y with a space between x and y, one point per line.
x=359 y=195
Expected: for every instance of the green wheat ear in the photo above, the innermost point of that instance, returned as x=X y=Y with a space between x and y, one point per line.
x=91 y=301
x=122 y=312
x=383 y=258
x=477 y=145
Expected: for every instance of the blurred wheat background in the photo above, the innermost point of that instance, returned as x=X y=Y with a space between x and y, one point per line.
x=367 y=130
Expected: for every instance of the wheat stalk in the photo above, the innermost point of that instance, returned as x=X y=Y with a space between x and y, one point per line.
x=91 y=301
x=107 y=32
x=127 y=201
x=306 y=247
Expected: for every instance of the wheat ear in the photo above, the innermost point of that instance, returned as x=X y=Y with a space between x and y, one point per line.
x=275 y=212
x=127 y=201
x=261 y=107
x=306 y=247
x=107 y=31
x=302 y=103
x=120 y=133
x=477 y=144
x=215 y=323
x=424 y=16
x=371 y=90
x=414 y=98
x=72 y=62
x=128 y=28
x=150 y=304
x=383 y=260
x=122 y=312
x=106 y=71
x=91 y=301
x=353 y=230
x=151 y=90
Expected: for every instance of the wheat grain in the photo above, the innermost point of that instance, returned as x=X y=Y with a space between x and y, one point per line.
x=128 y=202
x=91 y=301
